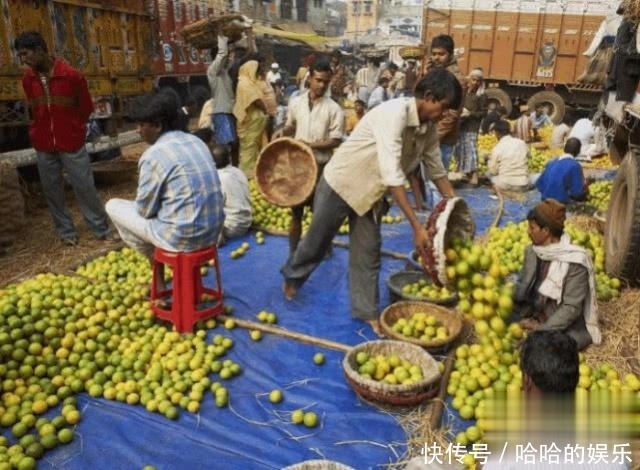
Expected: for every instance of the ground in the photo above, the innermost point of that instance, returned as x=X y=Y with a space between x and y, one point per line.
x=37 y=248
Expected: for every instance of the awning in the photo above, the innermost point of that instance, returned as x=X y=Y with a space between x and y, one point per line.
x=312 y=40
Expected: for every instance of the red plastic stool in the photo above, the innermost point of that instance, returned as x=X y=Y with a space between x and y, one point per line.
x=187 y=289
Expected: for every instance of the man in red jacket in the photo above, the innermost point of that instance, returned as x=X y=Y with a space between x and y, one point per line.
x=60 y=105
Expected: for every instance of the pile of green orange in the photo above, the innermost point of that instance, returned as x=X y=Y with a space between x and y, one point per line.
x=421 y=326
x=63 y=335
x=390 y=369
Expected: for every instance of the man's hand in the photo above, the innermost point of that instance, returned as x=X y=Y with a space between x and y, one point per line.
x=422 y=241
x=529 y=324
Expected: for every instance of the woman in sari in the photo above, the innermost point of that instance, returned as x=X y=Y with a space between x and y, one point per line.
x=249 y=111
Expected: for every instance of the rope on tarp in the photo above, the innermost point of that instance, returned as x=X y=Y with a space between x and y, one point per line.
x=496 y=220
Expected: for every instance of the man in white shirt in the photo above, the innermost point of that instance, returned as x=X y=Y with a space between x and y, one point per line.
x=273 y=75
x=380 y=94
x=235 y=192
x=590 y=137
x=318 y=121
x=384 y=149
x=508 y=160
x=367 y=79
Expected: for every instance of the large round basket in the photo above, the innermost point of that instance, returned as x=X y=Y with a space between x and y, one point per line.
x=203 y=34
x=115 y=171
x=406 y=395
x=318 y=465
x=286 y=172
x=398 y=280
x=449 y=318
x=451 y=219
x=411 y=52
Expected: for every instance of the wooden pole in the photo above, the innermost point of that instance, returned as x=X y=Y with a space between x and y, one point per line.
x=276 y=330
x=438 y=404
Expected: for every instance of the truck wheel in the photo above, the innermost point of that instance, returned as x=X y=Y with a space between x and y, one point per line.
x=500 y=98
x=622 y=231
x=552 y=101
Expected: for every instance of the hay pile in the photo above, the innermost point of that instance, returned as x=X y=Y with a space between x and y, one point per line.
x=37 y=249
x=11 y=205
x=620 y=325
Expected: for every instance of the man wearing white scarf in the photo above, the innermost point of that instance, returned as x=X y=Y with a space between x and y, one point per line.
x=557 y=284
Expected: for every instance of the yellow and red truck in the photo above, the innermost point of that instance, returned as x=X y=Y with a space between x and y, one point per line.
x=530 y=50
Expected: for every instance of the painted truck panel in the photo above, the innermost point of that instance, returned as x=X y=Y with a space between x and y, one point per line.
x=528 y=40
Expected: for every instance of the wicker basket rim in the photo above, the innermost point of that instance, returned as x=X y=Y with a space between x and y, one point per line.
x=373 y=385
x=416 y=274
x=264 y=154
x=450 y=317
x=318 y=464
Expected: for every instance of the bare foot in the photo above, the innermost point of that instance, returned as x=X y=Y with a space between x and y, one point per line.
x=377 y=329
x=289 y=291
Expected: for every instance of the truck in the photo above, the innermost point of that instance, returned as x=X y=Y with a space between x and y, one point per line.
x=123 y=47
x=531 y=51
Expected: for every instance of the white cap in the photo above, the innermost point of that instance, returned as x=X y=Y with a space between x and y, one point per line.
x=275 y=65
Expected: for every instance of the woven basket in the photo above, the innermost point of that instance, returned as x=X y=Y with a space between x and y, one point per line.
x=413 y=394
x=398 y=280
x=411 y=52
x=318 y=465
x=116 y=171
x=449 y=318
x=286 y=172
x=450 y=219
x=203 y=34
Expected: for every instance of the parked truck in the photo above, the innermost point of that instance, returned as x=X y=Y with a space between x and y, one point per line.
x=123 y=47
x=531 y=51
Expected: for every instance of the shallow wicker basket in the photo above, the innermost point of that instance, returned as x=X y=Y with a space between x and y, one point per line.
x=286 y=172
x=203 y=34
x=393 y=394
x=449 y=318
x=411 y=52
x=318 y=465
x=116 y=171
x=398 y=280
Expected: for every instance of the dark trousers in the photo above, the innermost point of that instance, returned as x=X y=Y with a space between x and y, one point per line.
x=364 y=250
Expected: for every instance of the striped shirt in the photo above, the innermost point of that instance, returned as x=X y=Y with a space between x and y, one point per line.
x=179 y=190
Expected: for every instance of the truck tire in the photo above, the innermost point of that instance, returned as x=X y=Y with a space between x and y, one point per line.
x=553 y=101
x=500 y=97
x=622 y=230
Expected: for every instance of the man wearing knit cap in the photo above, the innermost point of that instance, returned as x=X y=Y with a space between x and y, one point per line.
x=556 y=289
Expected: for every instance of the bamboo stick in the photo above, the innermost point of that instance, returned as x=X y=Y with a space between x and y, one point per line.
x=276 y=330
x=438 y=405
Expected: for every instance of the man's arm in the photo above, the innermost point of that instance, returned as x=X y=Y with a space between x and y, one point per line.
x=577 y=189
x=215 y=68
x=420 y=235
x=85 y=103
x=574 y=292
x=416 y=189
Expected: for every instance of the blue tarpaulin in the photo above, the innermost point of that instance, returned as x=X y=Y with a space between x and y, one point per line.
x=252 y=432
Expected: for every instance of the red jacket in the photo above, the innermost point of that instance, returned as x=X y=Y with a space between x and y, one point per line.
x=60 y=123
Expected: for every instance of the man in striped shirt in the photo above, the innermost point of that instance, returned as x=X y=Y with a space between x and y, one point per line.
x=179 y=203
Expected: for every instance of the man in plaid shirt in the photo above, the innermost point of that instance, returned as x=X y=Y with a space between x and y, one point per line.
x=179 y=203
